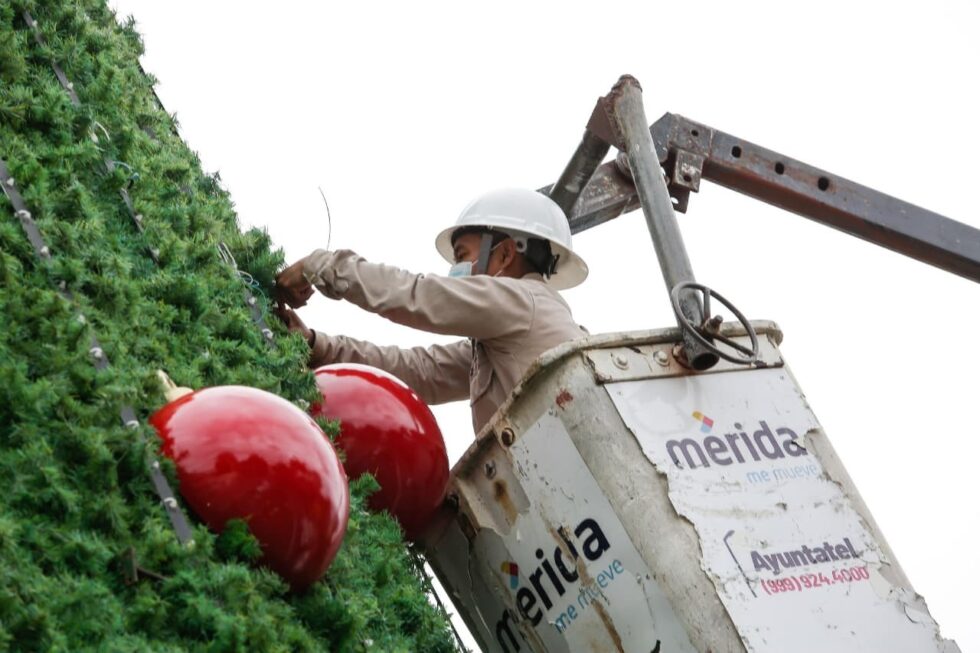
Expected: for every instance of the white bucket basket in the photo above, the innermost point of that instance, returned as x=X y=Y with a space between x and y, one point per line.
x=621 y=502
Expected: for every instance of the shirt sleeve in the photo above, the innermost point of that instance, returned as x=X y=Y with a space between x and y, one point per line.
x=438 y=374
x=479 y=307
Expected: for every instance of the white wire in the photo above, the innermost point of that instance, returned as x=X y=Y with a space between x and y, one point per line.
x=329 y=219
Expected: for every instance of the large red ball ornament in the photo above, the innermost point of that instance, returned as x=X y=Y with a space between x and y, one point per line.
x=242 y=453
x=386 y=430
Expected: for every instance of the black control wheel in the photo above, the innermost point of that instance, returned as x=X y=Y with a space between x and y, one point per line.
x=708 y=328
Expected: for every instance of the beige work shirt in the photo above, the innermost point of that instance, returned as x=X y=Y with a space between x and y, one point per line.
x=507 y=323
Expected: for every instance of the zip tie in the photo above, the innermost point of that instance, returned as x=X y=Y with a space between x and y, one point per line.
x=99 y=359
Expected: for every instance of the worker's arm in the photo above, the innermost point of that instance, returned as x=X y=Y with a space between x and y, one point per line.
x=438 y=374
x=479 y=307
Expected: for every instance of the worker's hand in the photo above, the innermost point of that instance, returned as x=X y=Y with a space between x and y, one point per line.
x=292 y=287
x=293 y=321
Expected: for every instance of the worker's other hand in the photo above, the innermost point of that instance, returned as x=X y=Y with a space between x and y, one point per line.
x=293 y=321
x=292 y=287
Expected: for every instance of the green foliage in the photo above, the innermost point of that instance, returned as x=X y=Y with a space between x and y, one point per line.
x=77 y=496
x=236 y=543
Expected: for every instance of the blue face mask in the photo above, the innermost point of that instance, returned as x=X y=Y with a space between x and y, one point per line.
x=461 y=269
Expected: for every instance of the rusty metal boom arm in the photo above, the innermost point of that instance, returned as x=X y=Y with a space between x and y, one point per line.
x=690 y=152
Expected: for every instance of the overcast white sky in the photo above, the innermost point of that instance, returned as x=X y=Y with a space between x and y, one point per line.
x=403 y=112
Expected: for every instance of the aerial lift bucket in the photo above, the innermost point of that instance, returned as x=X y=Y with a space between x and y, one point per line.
x=621 y=501
x=668 y=490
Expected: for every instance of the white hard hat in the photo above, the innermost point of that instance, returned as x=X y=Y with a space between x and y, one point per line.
x=520 y=212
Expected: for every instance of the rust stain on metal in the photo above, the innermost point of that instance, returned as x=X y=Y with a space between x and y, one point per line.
x=583 y=573
x=502 y=497
x=561 y=538
x=610 y=626
x=563 y=398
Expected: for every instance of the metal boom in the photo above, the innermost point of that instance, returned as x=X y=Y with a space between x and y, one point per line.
x=592 y=194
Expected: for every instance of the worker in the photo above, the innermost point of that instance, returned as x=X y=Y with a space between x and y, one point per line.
x=510 y=251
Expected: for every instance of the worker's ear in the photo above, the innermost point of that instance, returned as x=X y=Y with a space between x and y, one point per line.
x=508 y=253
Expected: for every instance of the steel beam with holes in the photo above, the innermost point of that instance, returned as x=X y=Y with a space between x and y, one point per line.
x=690 y=152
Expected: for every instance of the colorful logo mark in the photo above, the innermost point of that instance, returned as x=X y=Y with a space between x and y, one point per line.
x=706 y=422
x=510 y=568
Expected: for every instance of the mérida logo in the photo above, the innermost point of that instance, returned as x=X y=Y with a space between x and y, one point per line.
x=551 y=579
x=735 y=448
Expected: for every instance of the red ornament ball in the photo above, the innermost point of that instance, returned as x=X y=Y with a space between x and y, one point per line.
x=386 y=430
x=242 y=453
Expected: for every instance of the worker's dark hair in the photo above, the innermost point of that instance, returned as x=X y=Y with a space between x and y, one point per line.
x=538 y=253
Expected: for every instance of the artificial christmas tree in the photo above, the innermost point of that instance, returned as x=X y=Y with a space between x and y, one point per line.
x=110 y=270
